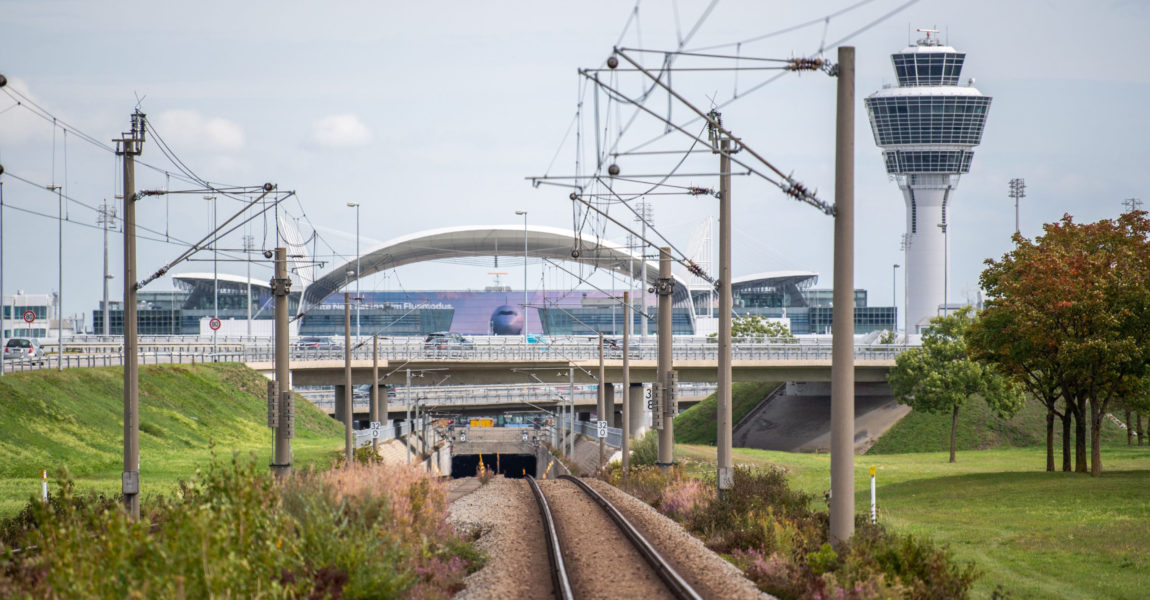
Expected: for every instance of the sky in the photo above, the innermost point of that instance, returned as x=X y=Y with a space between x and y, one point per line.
x=434 y=114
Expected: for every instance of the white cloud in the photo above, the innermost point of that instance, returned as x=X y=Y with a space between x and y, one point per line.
x=18 y=124
x=190 y=130
x=340 y=131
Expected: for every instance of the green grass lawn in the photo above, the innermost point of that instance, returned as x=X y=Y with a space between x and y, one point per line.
x=978 y=429
x=1037 y=534
x=696 y=425
x=73 y=419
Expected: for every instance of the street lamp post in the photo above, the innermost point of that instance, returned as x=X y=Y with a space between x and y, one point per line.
x=59 y=274
x=894 y=294
x=249 y=245
x=105 y=219
x=524 y=213
x=2 y=317
x=945 y=267
x=355 y=205
x=215 y=274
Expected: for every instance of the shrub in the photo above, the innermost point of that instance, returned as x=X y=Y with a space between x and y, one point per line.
x=646 y=483
x=645 y=452
x=926 y=570
x=686 y=497
x=772 y=534
x=366 y=531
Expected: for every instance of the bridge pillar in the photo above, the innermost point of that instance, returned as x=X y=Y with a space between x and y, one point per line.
x=637 y=409
x=609 y=405
x=341 y=400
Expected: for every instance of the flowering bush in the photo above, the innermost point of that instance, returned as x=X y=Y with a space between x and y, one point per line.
x=685 y=497
x=365 y=531
x=770 y=531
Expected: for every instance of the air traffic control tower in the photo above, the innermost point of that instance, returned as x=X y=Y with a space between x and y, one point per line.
x=927 y=127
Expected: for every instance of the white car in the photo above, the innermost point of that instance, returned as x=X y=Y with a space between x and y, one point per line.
x=24 y=349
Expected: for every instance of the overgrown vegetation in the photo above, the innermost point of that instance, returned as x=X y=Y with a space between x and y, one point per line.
x=782 y=544
x=364 y=531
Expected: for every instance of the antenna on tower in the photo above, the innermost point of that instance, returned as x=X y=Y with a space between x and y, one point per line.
x=927 y=41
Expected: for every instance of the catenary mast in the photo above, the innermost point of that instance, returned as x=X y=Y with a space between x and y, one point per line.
x=927 y=127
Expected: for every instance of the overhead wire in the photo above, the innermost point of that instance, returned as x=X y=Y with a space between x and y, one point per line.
x=772 y=79
x=185 y=173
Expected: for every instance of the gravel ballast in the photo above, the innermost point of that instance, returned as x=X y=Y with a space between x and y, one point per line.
x=601 y=561
x=504 y=514
x=707 y=572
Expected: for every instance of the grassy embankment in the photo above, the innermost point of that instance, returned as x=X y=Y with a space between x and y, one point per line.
x=1037 y=534
x=74 y=419
x=696 y=425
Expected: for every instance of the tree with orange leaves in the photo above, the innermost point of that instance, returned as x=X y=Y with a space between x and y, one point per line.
x=1066 y=318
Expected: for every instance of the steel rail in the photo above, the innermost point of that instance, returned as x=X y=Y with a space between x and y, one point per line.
x=675 y=582
x=559 y=577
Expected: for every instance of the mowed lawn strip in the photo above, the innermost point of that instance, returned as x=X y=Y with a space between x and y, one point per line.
x=1038 y=534
x=73 y=419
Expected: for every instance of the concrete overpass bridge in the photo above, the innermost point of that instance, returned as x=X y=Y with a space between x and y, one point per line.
x=416 y=378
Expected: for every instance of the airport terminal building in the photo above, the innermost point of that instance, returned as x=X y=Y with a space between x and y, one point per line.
x=496 y=310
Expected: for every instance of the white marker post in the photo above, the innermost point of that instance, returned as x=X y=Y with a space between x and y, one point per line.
x=872 y=511
x=44 y=483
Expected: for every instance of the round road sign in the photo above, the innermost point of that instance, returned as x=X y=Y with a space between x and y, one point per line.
x=214 y=323
x=29 y=316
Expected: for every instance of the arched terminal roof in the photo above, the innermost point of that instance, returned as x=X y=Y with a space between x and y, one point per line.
x=188 y=281
x=473 y=241
x=790 y=283
x=774 y=279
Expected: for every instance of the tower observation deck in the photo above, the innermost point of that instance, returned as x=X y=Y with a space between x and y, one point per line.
x=927 y=127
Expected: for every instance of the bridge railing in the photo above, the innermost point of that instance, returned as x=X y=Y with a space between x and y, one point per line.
x=504 y=350
x=591 y=430
x=92 y=351
x=387 y=432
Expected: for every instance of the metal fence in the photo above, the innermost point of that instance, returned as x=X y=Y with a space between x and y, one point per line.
x=385 y=432
x=591 y=430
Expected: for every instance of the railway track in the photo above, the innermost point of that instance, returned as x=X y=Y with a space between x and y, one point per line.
x=595 y=552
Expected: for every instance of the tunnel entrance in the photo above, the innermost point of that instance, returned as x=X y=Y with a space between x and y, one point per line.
x=509 y=465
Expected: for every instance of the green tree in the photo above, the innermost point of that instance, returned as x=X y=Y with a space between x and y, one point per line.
x=939 y=377
x=755 y=328
x=1076 y=300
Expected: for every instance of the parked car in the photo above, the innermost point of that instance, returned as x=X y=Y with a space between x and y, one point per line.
x=24 y=349
x=442 y=343
x=316 y=344
x=363 y=392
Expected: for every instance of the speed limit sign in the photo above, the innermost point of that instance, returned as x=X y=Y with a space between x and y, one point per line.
x=214 y=324
x=29 y=316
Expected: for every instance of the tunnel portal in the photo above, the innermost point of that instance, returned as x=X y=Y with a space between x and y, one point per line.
x=508 y=465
